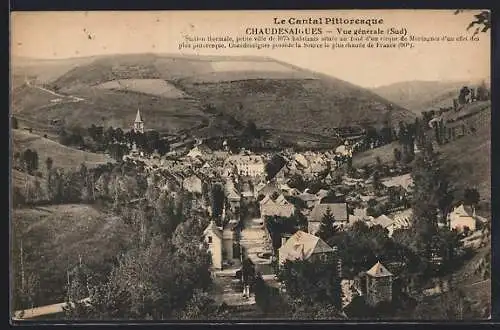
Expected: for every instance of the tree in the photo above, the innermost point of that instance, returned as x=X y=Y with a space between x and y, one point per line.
x=482 y=21
x=217 y=197
x=202 y=307
x=402 y=132
x=312 y=281
x=144 y=285
x=430 y=186
x=386 y=134
x=397 y=155
x=452 y=305
x=262 y=294
x=327 y=227
x=314 y=311
x=471 y=196
x=297 y=182
x=273 y=166
x=30 y=160
x=117 y=151
x=482 y=94
x=463 y=96
x=251 y=131
x=49 y=163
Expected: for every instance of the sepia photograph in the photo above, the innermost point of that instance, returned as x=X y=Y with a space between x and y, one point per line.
x=265 y=165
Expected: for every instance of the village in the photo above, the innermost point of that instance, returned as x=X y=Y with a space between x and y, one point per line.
x=255 y=188
x=152 y=180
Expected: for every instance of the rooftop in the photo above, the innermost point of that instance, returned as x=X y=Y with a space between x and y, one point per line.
x=378 y=270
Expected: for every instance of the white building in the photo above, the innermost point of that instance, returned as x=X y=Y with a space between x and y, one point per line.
x=214 y=237
x=247 y=165
x=462 y=216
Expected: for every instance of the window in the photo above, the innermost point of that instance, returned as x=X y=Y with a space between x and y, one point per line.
x=209 y=239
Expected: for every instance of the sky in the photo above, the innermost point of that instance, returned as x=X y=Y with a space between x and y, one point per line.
x=56 y=35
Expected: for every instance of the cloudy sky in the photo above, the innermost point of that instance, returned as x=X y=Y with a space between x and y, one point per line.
x=54 y=35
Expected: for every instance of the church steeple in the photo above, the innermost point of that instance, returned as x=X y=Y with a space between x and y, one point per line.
x=138 y=123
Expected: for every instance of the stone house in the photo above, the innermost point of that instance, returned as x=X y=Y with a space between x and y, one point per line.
x=280 y=207
x=304 y=246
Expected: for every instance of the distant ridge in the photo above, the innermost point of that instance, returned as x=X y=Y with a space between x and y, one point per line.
x=419 y=96
x=272 y=93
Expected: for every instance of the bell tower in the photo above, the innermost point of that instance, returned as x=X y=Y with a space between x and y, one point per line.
x=138 y=123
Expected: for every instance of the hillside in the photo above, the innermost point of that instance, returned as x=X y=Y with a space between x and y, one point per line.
x=471 y=289
x=172 y=91
x=55 y=237
x=419 y=96
x=63 y=157
x=467 y=159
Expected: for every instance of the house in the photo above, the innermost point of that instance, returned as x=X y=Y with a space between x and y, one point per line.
x=401 y=220
x=214 y=237
x=266 y=189
x=338 y=210
x=233 y=196
x=200 y=151
x=383 y=220
x=247 y=165
x=301 y=160
x=247 y=190
x=193 y=184
x=344 y=150
x=310 y=199
x=304 y=246
x=462 y=216
x=317 y=163
x=322 y=193
x=286 y=189
x=391 y=222
x=279 y=207
x=359 y=215
x=405 y=181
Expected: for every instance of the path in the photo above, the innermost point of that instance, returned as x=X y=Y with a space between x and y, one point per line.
x=73 y=98
x=227 y=289
x=255 y=239
x=42 y=310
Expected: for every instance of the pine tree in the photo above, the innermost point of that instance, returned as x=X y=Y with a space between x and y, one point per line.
x=327 y=227
x=429 y=189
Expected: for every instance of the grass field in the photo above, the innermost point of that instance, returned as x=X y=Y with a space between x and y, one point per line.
x=386 y=154
x=63 y=157
x=55 y=237
x=156 y=87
